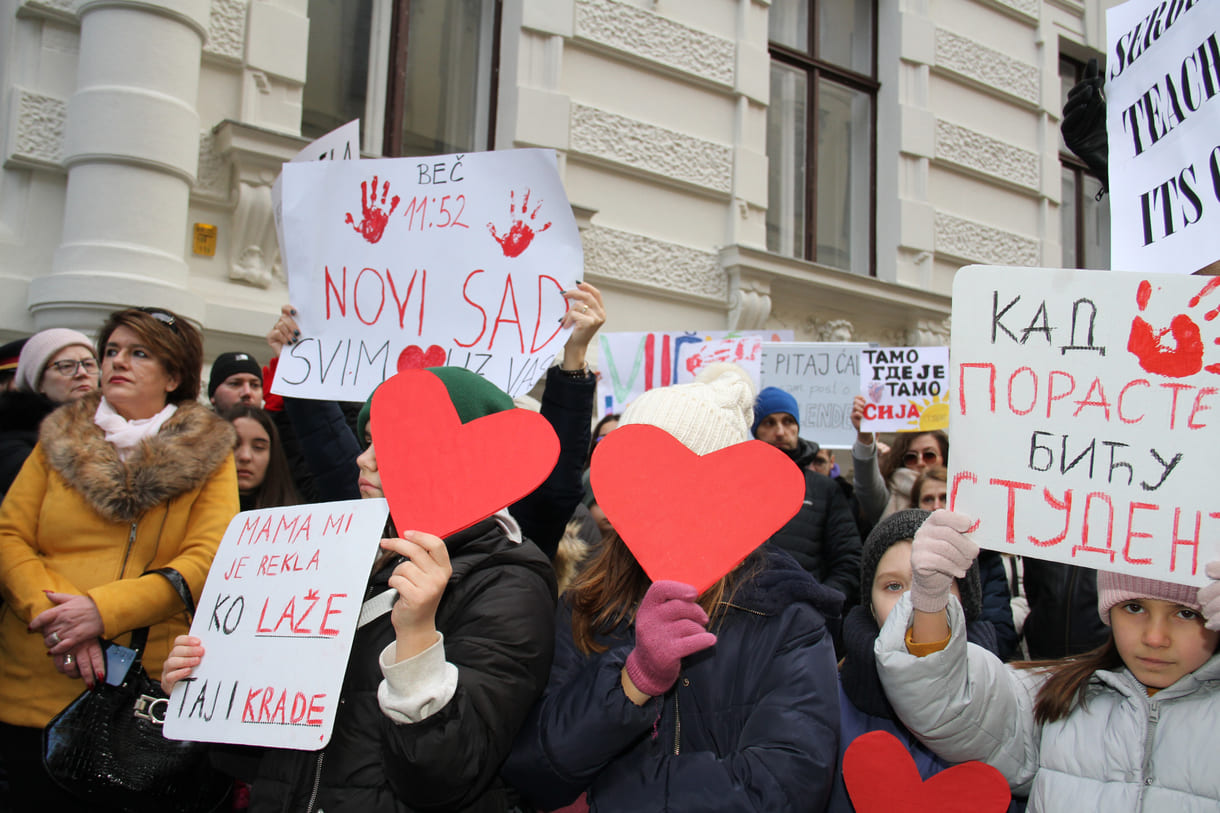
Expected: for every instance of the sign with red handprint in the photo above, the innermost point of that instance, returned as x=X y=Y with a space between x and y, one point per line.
x=1085 y=417
x=404 y=263
x=1162 y=119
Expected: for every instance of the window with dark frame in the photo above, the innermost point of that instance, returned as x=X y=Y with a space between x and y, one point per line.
x=821 y=181
x=1084 y=213
x=421 y=75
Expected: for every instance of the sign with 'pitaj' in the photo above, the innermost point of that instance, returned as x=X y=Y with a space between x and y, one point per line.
x=403 y=263
x=1083 y=418
x=277 y=617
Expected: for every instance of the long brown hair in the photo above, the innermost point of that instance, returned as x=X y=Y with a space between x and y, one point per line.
x=892 y=461
x=277 y=489
x=1065 y=690
x=607 y=593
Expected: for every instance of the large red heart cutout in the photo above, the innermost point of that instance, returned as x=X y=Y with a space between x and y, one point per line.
x=881 y=777
x=440 y=475
x=687 y=517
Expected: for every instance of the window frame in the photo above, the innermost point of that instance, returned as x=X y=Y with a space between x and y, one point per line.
x=817 y=69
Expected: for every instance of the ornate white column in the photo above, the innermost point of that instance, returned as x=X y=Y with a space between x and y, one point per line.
x=131 y=149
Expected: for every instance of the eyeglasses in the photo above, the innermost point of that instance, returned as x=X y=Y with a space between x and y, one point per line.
x=68 y=368
x=929 y=456
x=161 y=316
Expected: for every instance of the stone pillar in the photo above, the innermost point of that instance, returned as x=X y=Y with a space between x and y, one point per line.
x=131 y=149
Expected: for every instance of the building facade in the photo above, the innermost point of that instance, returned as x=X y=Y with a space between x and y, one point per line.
x=820 y=166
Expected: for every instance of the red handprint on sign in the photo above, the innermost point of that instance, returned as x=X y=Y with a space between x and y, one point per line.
x=1185 y=356
x=520 y=234
x=372 y=223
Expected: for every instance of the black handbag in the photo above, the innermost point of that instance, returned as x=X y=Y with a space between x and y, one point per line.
x=107 y=747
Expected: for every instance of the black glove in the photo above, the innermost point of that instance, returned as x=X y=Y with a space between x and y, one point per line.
x=1084 y=123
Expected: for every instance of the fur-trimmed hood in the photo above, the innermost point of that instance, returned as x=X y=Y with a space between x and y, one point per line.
x=182 y=455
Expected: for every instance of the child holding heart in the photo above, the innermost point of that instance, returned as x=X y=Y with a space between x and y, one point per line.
x=662 y=698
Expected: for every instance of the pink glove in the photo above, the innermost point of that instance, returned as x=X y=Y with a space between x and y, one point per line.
x=668 y=626
x=940 y=553
x=1209 y=596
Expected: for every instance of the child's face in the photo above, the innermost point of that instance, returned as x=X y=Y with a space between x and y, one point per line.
x=1160 y=641
x=370 y=476
x=892 y=579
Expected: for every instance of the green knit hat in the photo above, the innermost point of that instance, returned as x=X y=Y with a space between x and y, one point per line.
x=473 y=396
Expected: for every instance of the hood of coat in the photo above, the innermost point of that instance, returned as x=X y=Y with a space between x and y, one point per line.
x=773 y=580
x=184 y=453
x=803 y=454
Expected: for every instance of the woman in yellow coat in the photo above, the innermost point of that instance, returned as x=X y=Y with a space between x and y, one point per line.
x=137 y=478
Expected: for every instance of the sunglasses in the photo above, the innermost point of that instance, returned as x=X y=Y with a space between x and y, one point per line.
x=68 y=368
x=929 y=456
x=161 y=316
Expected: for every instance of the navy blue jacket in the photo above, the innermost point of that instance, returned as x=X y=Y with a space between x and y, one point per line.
x=751 y=724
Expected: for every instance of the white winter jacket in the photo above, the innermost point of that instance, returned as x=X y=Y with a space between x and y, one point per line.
x=1121 y=751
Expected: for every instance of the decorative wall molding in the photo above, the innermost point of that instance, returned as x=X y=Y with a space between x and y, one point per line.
x=749 y=301
x=1023 y=8
x=646 y=35
x=227 y=30
x=973 y=150
x=976 y=242
x=36 y=130
x=628 y=257
x=992 y=68
x=650 y=148
x=57 y=9
x=212 y=177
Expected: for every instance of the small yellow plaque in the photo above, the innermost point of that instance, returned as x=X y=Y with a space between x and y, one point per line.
x=205 y=239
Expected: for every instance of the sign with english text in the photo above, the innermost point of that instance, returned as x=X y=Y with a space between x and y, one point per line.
x=905 y=389
x=823 y=377
x=1084 y=420
x=404 y=263
x=277 y=617
x=629 y=364
x=1163 y=126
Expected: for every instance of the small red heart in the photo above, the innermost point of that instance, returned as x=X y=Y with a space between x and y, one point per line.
x=881 y=777
x=414 y=357
x=440 y=475
x=691 y=518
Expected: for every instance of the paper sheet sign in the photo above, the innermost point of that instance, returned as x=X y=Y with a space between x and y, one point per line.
x=403 y=263
x=687 y=517
x=277 y=617
x=822 y=377
x=1162 y=117
x=1084 y=417
x=744 y=351
x=906 y=389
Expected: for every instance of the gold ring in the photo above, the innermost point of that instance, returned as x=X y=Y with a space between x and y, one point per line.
x=585 y=309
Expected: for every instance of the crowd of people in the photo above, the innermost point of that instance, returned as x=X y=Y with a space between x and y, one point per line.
x=528 y=662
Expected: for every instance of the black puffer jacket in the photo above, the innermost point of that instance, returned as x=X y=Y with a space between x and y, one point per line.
x=497 y=616
x=822 y=536
x=21 y=413
x=1063 y=617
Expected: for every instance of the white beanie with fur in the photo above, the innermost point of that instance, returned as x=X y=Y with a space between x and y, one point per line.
x=714 y=411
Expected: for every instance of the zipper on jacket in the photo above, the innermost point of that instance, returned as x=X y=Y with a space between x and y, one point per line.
x=317 y=781
x=677 y=726
x=131 y=541
x=1154 y=716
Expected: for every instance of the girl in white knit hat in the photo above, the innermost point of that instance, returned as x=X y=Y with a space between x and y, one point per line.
x=1130 y=726
x=663 y=699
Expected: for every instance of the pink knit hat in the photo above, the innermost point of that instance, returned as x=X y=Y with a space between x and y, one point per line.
x=1115 y=588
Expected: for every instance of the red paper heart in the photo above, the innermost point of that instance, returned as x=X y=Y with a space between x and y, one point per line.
x=881 y=777
x=414 y=357
x=690 y=518
x=440 y=475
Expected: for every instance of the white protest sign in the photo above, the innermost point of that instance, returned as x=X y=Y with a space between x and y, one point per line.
x=1163 y=126
x=906 y=389
x=823 y=377
x=276 y=618
x=745 y=351
x=1084 y=417
x=340 y=144
x=417 y=262
x=631 y=363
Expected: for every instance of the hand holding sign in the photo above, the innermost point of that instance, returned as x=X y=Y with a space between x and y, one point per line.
x=881 y=777
x=688 y=518
x=440 y=475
